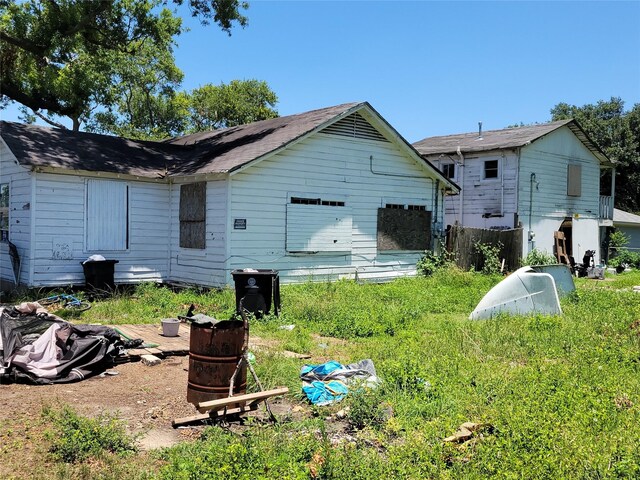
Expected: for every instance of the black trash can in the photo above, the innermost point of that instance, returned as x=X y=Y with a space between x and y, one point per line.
x=260 y=288
x=98 y=274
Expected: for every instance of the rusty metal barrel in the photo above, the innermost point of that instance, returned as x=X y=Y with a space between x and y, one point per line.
x=214 y=353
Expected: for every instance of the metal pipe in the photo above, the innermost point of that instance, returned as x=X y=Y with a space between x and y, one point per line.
x=461 y=169
x=531 y=236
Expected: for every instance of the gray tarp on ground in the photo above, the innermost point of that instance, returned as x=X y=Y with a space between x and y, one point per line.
x=41 y=348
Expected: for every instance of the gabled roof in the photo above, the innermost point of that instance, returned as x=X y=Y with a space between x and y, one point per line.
x=507 y=138
x=228 y=149
x=621 y=217
x=219 y=151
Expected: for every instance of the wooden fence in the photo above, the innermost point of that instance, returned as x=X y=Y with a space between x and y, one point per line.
x=461 y=242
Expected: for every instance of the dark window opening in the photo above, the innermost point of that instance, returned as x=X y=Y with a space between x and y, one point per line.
x=420 y=208
x=449 y=170
x=316 y=201
x=491 y=169
x=394 y=206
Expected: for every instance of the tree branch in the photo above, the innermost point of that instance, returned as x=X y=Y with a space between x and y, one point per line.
x=23 y=44
x=48 y=120
x=36 y=100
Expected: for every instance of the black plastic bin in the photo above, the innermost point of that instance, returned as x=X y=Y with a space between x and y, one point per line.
x=267 y=283
x=98 y=274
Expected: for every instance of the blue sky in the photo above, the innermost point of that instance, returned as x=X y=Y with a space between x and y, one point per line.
x=430 y=68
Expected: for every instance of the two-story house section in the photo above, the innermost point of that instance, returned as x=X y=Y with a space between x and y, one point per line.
x=545 y=177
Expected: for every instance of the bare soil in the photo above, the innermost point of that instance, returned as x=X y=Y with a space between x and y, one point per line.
x=147 y=398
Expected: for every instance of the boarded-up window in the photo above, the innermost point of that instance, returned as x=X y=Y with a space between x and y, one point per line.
x=318 y=226
x=107 y=215
x=4 y=212
x=400 y=229
x=574 y=180
x=193 y=219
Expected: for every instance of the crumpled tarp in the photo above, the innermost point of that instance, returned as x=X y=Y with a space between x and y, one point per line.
x=41 y=348
x=329 y=382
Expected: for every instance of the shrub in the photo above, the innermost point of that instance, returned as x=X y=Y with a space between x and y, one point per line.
x=538 y=257
x=432 y=261
x=625 y=257
x=490 y=257
x=618 y=239
x=366 y=408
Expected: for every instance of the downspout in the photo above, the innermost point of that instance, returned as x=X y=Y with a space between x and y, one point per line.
x=502 y=162
x=461 y=156
x=531 y=234
x=436 y=232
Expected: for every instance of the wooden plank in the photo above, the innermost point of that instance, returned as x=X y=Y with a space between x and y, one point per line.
x=248 y=398
x=212 y=414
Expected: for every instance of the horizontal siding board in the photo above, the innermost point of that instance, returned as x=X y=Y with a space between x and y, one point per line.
x=303 y=169
x=144 y=260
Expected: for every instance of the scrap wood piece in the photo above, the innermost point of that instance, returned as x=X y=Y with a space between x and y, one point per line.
x=466 y=431
x=249 y=399
x=212 y=414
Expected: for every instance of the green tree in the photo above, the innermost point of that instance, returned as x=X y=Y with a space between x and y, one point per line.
x=239 y=102
x=68 y=58
x=150 y=113
x=617 y=133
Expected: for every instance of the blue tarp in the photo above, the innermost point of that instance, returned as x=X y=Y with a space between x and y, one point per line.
x=329 y=382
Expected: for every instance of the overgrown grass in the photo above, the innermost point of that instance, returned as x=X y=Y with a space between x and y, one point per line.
x=75 y=438
x=561 y=394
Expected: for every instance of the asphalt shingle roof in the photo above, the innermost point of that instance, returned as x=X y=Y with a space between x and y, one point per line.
x=218 y=151
x=620 y=216
x=502 y=139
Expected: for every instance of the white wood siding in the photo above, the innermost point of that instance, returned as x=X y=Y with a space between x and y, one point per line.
x=60 y=232
x=486 y=203
x=20 y=205
x=325 y=166
x=549 y=158
x=206 y=266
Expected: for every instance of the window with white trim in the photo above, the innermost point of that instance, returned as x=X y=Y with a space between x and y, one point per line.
x=4 y=212
x=491 y=169
x=107 y=222
x=449 y=170
x=318 y=225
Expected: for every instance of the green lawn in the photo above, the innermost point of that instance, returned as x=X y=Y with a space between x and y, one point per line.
x=559 y=396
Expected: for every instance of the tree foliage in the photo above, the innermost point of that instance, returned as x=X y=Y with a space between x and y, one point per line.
x=72 y=58
x=148 y=112
x=617 y=133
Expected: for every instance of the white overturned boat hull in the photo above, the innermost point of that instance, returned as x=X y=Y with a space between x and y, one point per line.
x=523 y=292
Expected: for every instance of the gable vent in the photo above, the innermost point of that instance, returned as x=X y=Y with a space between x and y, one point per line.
x=355 y=126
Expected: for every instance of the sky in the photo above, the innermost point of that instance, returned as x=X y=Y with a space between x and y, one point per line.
x=429 y=68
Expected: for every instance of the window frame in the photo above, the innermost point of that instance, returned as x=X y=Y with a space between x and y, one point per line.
x=452 y=166
x=91 y=245
x=5 y=211
x=332 y=205
x=497 y=169
x=574 y=180
x=190 y=220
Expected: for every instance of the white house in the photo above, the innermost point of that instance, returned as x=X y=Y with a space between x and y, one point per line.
x=326 y=194
x=545 y=177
